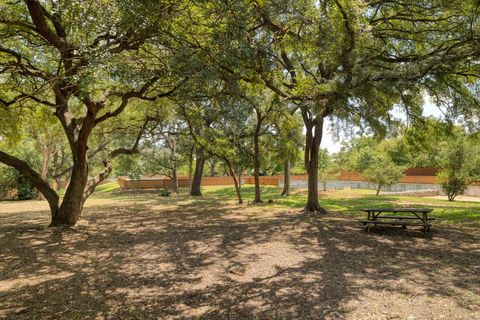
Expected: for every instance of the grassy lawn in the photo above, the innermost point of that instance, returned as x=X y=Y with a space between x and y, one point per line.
x=348 y=202
x=138 y=255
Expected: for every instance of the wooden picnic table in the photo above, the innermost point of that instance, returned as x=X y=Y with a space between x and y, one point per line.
x=417 y=217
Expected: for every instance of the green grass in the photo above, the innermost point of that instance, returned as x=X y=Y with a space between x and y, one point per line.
x=107 y=187
x=345 y=202
x=352 y=202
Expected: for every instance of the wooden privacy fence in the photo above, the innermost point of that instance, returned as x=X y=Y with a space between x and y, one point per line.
x=126 y=183
x=414 y=175
x=264 y=180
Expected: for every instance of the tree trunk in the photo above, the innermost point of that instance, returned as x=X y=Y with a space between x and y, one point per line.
x=72 y=204
x=286 y=178
x=174 y=164
x=212 y=168
x=256 y=160
x=190 y=165
x=46 y=152
x=174 y=180
x=197 y=175
x=314 y=131
x=451 y=196
x=379 y=186
x=235 y=182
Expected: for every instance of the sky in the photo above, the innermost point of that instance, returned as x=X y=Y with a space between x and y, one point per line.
x=332 y=145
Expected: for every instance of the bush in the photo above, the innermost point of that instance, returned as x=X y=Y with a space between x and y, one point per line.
x=383 y=173
x=460 y=162
x=11 y=179
x=165 y=193
x=25 y=190
x=7 y=178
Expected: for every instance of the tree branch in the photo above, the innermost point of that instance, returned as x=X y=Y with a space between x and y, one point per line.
x=107 y=162
x=37 y=13
x=34 y=177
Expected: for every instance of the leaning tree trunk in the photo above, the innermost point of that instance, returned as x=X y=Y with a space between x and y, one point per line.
x=286 y=178
x=34 y=177
x=235 y=182
x=73 y=200
x=314 y=131
x=197 y=175
x=256 y=161
x=379 y=187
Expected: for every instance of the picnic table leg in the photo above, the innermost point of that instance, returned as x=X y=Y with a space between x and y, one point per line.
x=403 y=226
x=367 y=224
x=426 y=227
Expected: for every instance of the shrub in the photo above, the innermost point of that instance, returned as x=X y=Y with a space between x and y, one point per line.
x=25 y=190
x=165 y=193
x=460 y=162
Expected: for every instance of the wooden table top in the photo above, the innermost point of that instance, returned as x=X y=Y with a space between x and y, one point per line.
x=399 y=209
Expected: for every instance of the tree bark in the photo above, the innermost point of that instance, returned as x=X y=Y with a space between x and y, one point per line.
x=451 y=196
x=46 y=153
x=286 y=178
x=379 y=186
x=175 y=180
x=235 y=181
x=190 y=165
x=256 y=160
x=72 y=204
x=212 y=168
x=174 y=164
x=197 y=175
x=313 y=137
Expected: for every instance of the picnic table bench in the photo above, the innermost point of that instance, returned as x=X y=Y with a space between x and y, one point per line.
x=418 y=217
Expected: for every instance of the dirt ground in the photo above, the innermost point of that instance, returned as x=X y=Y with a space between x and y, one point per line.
x=459 y=198
x=178 y=259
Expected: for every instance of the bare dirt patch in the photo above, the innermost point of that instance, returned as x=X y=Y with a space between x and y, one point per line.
x=185 y=259
x=459 y=198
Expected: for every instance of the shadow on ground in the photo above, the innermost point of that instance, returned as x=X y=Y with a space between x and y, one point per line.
x=213 y=260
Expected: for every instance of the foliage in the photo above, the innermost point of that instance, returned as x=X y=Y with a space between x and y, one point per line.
x=420 y=143
x=11 y=178
x=459 y=159
x=383 y=172
x=129 y=166
x=165 y=192
x=7 y=178
x=374 y=162
x=25 y=189
x=289 y=139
